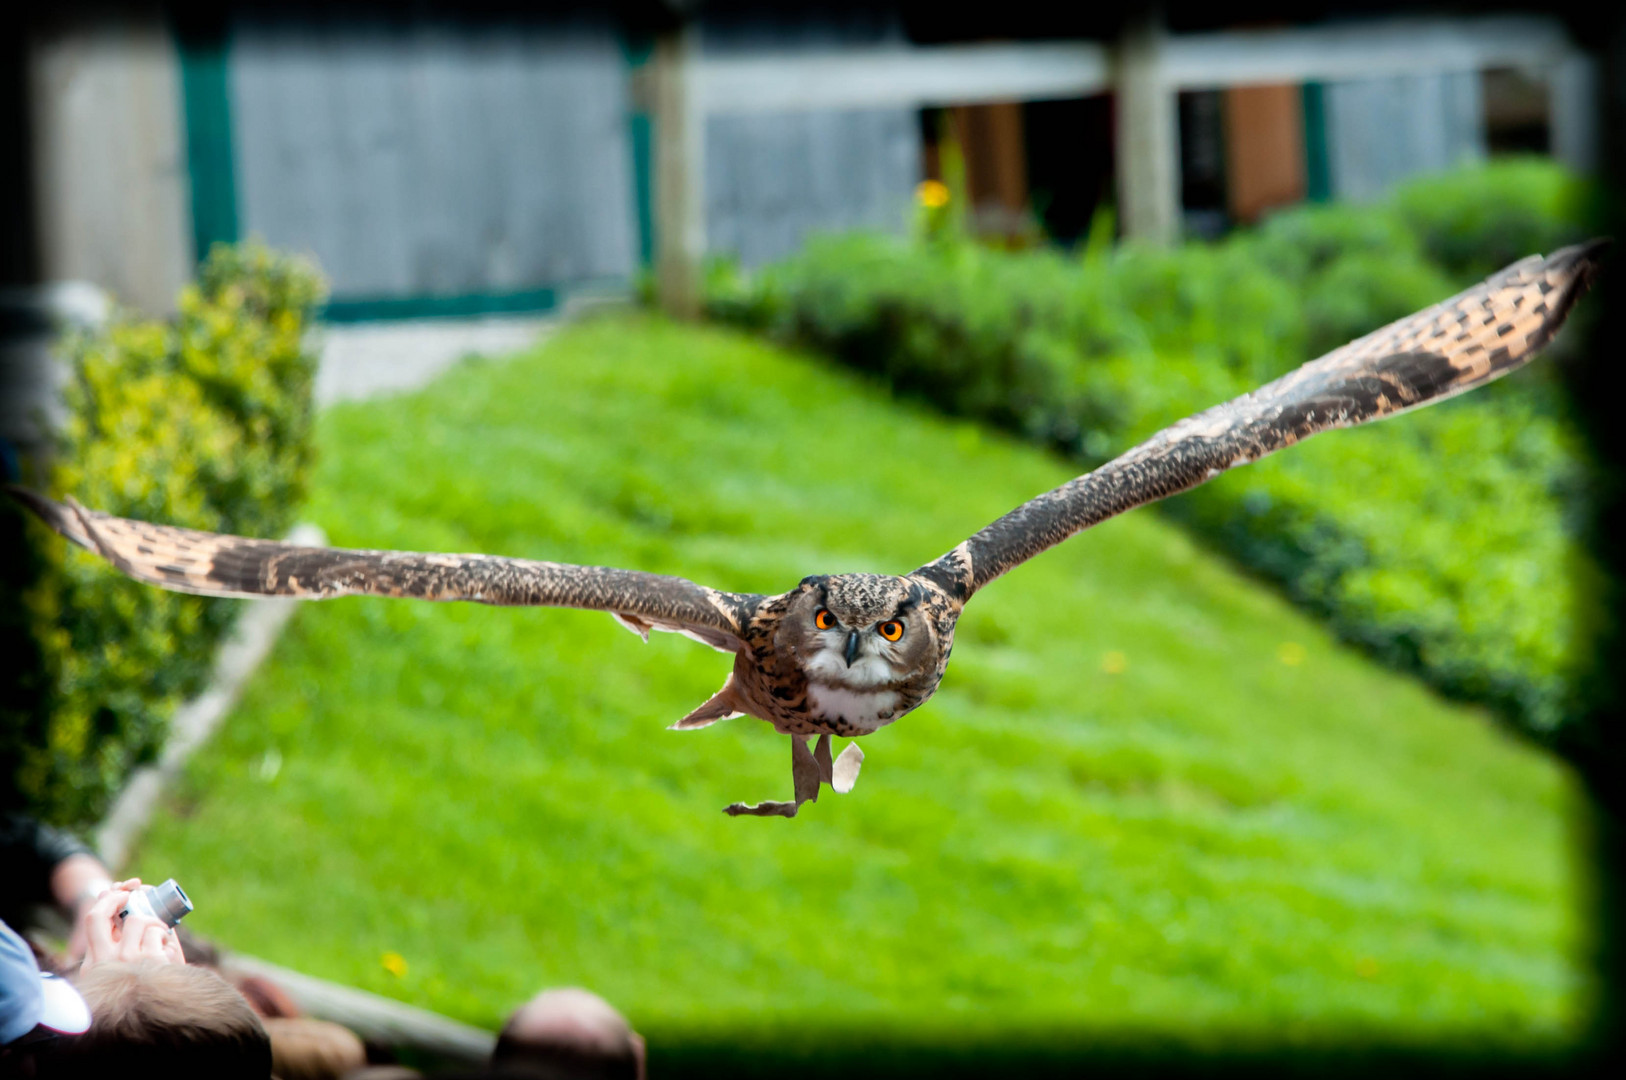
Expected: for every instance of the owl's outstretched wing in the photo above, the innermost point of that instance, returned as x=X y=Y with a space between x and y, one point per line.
x=1464 y=342
x=215 y=564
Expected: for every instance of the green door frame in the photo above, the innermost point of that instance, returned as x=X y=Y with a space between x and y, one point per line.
x=1317 y=168
x=206 y=120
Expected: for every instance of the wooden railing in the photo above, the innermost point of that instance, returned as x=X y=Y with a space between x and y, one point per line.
x=1145 y=69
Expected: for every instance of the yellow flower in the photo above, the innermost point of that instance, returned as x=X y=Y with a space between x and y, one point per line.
x=1115 y=663
x=1290 y=653
x=394 y=963
x=932 y=194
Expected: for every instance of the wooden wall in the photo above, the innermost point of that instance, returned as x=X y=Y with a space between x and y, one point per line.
x=1382 y=131
x=772 y=180
x=427 y=159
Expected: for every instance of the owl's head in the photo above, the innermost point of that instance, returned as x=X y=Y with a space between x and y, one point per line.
x=859 y=631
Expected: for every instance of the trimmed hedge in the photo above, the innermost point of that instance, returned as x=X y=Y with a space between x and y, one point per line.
x=202 y=421
x=1445 y=542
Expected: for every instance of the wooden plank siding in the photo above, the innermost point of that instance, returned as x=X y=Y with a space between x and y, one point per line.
x=434 y=160
x=774 y=177
x=1381 y=131
x=772 y=181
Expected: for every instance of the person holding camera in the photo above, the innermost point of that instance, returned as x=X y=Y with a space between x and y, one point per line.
x=151 y=1014
x=120 y=926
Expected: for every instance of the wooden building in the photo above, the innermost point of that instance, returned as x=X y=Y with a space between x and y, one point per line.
x=456 y=159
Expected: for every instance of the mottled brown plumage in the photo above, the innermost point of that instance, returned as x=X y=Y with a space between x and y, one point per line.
x=846 y=654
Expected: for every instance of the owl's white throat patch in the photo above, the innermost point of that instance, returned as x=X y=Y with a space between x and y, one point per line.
x=861 y=708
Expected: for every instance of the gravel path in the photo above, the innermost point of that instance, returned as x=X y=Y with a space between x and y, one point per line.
x=368 y=359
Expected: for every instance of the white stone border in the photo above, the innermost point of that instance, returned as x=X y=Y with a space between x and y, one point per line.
x=379 y=1019
x=240 y=654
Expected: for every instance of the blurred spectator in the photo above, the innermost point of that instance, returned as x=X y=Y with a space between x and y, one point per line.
x=266 y=998
x=566 y=1034
x=197 y=950
x=151 y=1014
x=306 y=1049
x=41 y=866
x=35 y=1008
x=162 y=1019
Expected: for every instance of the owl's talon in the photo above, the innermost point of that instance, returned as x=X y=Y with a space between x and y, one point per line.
x=762 y=809
x=804 y=774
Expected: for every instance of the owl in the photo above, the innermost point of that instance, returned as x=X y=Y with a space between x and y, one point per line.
x=842 y=655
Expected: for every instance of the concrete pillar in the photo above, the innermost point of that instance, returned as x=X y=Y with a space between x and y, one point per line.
x=1148 y=150
x=680 y=169
x=111 y=193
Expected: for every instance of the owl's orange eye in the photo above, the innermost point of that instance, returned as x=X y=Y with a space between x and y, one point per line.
x=824 y=620
x=892 y=629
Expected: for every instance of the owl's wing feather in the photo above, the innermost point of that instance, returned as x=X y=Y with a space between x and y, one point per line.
x=1479 y=335
x=215 y=564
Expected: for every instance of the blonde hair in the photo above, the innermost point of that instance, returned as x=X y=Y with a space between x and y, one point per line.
x=170 y=1020
x=305 y=1049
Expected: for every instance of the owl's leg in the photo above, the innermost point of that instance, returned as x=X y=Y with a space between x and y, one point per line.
x=804 y=775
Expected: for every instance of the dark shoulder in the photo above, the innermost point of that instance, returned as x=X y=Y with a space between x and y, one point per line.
x=936 y=601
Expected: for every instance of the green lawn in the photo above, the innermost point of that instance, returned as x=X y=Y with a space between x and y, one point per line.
x=1151 y=802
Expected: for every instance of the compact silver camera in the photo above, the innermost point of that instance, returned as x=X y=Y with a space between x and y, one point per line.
x=167 y=903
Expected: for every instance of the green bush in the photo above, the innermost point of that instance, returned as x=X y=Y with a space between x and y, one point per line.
x=1470 y=574
x=1476 y=221
x=203 y=421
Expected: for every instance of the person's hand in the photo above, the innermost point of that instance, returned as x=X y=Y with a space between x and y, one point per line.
x=109 y=939
x=76 y=883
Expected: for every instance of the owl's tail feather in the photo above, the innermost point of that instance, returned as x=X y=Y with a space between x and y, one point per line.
x=722 y=705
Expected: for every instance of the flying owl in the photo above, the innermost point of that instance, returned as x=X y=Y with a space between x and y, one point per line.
x=847 y=654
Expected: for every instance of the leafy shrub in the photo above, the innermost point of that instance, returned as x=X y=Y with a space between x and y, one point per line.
x=1470 y=574
x=203 y=421
x=1478 y=220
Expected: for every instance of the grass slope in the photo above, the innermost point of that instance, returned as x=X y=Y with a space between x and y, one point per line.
x=1151 y=801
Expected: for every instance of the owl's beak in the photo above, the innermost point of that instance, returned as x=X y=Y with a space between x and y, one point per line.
x=852 y=647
